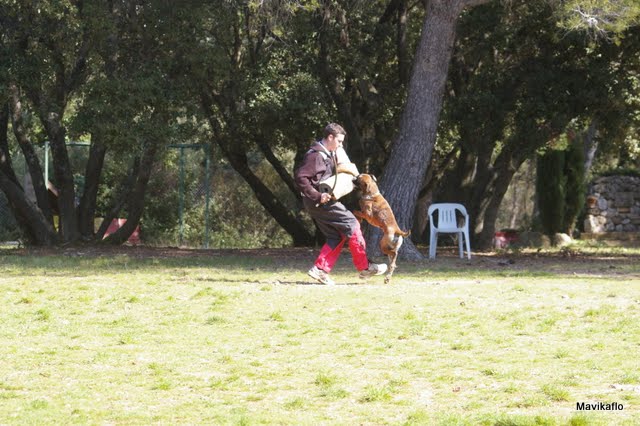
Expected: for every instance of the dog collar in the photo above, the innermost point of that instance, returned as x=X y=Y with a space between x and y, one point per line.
x=370 y=197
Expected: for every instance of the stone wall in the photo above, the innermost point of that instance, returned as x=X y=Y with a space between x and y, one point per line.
x=613 y=205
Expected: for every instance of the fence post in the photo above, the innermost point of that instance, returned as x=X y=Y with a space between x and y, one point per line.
x=181 y=197
x=207 y=162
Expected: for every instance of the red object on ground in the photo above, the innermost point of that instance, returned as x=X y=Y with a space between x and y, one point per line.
x=117 y=224
x=503 y=239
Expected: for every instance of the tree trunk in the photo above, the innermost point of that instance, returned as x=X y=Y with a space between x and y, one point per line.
x=68 y=219
x=412 y=150
x=50 y=106
x=515 y=208
x=238 y=160
x=121 y=199
x=135 y=202
x=30 y=156
x=457 y=184
x=34 y=226
x=487 y=211
x=237 y=157
x=93 y=171
x=5 y=154
x=277 y=166
x=37 y=228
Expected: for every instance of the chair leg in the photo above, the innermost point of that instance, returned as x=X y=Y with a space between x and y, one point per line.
x=460 y=245
x=466 y=239
x=433 y=240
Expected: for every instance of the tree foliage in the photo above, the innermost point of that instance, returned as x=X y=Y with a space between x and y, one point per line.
x=575 y=185
x=513 y=89
x=259 y=79
x=601 y=18
x=77 y=69
x=417 y=135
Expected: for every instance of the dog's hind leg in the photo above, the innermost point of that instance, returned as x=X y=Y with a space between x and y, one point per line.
x=392 y=267
x=392 y=254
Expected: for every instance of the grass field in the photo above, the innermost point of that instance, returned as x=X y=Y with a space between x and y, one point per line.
x=244 y=338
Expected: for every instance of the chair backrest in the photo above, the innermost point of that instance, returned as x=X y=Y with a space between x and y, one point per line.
x=446 y=215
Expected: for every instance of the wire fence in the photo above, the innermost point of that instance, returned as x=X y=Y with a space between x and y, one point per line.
x=179 y=195
x=200 y=192
x=194 y=198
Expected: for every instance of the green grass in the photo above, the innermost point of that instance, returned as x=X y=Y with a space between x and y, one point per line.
x=244 y=339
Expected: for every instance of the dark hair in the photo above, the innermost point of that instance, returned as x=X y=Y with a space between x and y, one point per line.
x=334 y=129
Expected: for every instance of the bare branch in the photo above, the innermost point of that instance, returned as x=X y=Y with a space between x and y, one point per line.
x=601 y=19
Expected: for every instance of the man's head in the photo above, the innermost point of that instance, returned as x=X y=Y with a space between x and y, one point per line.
x=334 y=135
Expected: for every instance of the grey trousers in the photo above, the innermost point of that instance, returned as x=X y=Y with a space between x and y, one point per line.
x=333 y=219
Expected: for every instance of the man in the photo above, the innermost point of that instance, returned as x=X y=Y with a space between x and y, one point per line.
x=337 y=223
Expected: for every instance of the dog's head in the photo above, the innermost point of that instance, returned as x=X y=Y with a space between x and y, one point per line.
x=367 y=184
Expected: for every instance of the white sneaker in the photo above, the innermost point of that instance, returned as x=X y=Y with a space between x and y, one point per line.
x=321 y=276
x=374 y=269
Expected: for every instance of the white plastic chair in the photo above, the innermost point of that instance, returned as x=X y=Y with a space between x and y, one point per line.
x=448 y=223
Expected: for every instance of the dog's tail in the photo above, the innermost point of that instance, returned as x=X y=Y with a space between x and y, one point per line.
x=398 y=239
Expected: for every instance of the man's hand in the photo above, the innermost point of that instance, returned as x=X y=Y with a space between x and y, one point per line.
x=324 y=198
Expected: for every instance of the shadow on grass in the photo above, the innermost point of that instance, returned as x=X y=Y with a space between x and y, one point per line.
x=81 y=261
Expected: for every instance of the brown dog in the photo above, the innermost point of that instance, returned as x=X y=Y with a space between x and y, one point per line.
x=376 y=210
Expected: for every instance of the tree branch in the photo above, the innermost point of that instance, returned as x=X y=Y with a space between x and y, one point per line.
x=277 y=165
x=30 y=156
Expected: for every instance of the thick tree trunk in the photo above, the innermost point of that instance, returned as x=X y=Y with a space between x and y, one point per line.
x=68 y=220
x=412 y=150
x=50 y=106
x=93 y=171
x=39 y=231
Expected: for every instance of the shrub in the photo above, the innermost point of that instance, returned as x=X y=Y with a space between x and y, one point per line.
x=575 y=185
x=550 y=189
